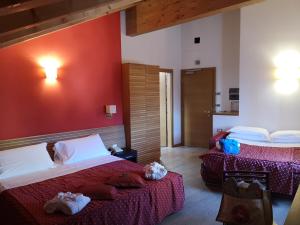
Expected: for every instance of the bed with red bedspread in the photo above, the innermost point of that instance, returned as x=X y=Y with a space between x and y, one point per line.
x=283 y=165
x=143 y=206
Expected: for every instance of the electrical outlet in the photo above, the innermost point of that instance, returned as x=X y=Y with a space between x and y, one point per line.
x=219 y=130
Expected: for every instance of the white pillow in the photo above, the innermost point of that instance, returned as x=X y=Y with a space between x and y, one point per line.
x=286 y=136
x=247 y=137
x=250 y=133
x=79 y=149
x=24 y=160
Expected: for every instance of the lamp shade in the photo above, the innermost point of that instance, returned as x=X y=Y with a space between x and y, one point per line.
x=111 y=109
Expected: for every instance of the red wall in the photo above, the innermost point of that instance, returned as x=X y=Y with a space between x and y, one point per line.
x=89 y=78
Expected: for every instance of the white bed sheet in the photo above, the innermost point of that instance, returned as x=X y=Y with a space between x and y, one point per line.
x=267 y=144
x=57 y=171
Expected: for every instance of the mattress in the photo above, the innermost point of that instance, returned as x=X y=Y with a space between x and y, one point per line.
x=22 y=199
x=281 y=162
x=56 y=171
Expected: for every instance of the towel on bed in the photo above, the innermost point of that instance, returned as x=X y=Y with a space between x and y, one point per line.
x=155 y=171
x=68 y=203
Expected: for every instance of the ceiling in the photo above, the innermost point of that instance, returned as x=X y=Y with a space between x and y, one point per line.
x=21 y=20
x=25 y=19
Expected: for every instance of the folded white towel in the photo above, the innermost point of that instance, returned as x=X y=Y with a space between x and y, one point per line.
x=155 y=171
x=68 y=203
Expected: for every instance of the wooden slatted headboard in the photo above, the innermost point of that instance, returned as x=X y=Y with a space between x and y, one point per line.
x=109 y=135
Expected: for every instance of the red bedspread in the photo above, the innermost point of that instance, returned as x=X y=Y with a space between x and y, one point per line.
x=282 y=163
x=144 y=206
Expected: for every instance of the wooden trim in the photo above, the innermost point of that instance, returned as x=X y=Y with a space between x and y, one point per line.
x=126 y=102
x=182 y=102
x=181 y=106
x=171 y=71
x=131 y=21
x=172 y=105
x=166 y=70
x=226 y=113
x=214 y=102
x=151 y=15
x=109 y=135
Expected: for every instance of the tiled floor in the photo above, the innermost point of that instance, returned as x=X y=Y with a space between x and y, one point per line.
x=202 y=204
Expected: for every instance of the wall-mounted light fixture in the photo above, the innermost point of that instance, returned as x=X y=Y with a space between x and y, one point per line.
x=110 y=110
x=50 y=66
x=287 y=72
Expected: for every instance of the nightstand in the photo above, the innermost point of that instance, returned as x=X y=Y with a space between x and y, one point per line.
x=128 y=154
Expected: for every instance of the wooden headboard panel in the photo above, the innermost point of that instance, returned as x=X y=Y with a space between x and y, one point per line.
x=109 y=135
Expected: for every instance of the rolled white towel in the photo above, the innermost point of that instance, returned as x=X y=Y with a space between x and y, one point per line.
x=68 y=203
x=155 y=171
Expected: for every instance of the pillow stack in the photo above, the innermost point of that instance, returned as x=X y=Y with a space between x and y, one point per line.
x=249 y=133
x=24 y=160
x=35 y=158
x=262 y=135
x=286 y=136
x=79 y=149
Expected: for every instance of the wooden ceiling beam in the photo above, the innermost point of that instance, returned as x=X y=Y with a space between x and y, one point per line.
x=69 y=18
x=151 y=15
x=26 y=5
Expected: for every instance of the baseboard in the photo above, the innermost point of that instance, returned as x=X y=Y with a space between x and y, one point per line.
x=177 y=145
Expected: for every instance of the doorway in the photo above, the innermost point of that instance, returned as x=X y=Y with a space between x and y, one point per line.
x=166 y=107
x=197 y=105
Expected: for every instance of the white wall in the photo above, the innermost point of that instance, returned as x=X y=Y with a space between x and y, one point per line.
x=219 y=47
x=224 y=122
x=230 y=55
x=209 y=51
x=161 y=48
x=267 y=28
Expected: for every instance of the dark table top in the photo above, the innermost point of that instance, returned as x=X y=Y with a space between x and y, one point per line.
x=293 y=217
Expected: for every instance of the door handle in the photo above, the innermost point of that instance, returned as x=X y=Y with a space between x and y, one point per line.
x=208 y=112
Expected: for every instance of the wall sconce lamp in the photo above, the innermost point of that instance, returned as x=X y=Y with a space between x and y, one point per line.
x=50 y=66
x=287 y=72
x=110 y=110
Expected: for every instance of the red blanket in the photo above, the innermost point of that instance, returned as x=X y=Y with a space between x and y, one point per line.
x=144 y=206
x=280 y=162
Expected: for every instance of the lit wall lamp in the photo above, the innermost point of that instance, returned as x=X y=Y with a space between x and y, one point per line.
x=50 y=66
x=110 y=110
x=287 y=72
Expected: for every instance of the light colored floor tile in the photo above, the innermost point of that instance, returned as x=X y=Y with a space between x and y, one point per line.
x=202 y=204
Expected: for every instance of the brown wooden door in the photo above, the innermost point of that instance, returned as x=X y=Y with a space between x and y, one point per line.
x=198 y=91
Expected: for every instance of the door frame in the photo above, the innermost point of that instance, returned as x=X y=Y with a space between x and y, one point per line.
x=182 y=101
x=171 y=72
